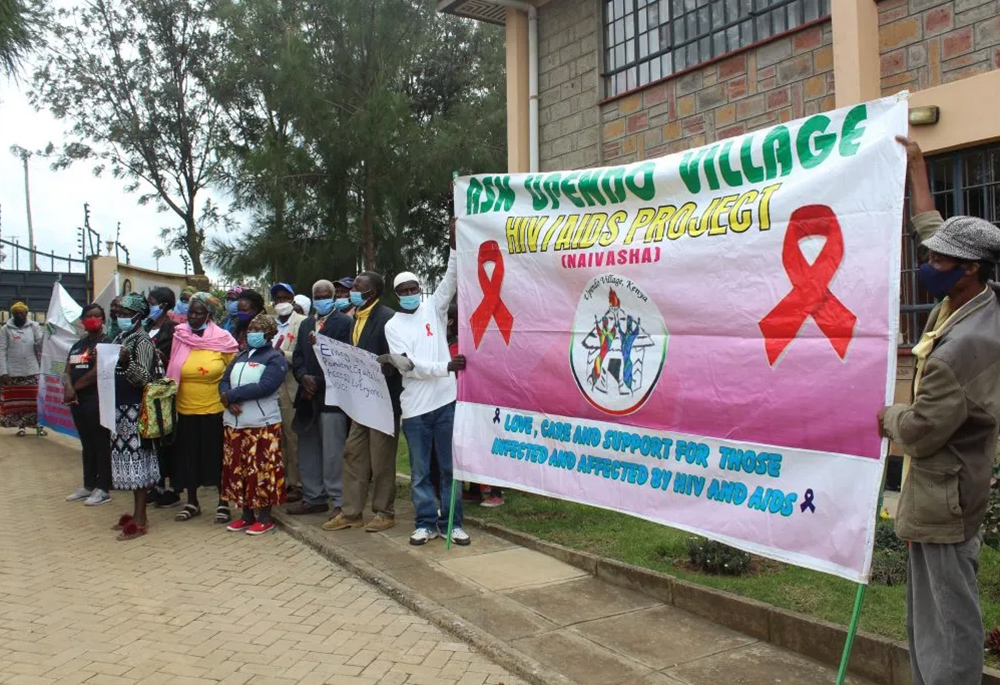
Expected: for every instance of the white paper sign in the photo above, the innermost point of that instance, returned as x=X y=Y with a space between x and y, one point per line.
x=107 y=360
x=354 y=382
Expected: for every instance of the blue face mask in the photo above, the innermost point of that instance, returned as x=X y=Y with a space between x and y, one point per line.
x=199 y=328
x=356 y=298
x=155 y=312
x=256 y=339
x=245 y=317
x=409 y=302
x=182 y=308
x=324 y=306
x=343 y=303
x=125 y=324
x=937 y=282
x=232 y=306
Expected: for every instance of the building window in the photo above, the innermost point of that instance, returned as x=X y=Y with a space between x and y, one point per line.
x=962 y=182
x=646 y=40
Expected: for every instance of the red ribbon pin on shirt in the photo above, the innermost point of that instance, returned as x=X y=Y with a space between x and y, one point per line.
x=492 y=307
x=810 y=294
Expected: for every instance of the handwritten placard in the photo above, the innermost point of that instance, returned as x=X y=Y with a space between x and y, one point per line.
x=355 y=383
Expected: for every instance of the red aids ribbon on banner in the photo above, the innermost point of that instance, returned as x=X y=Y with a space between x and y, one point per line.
x=492 y=307
x=810 y=295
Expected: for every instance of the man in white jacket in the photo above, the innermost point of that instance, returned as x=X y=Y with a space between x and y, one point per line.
x=420 y=333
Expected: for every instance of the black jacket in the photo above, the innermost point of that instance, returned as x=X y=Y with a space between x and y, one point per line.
x=304 y=363
x=373 y=340
x=164 y=340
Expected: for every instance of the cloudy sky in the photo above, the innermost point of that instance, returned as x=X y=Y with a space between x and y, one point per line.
x=57 y=197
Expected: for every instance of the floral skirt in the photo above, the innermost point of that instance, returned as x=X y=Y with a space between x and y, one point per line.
x=253 y=475
x=133 y=460
x=19 y=402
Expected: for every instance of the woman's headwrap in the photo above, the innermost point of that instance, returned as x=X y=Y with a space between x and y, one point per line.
x=18 y=308
x=234 y=292
x=266 y=324
x=303 y=302
x=134 y=302
x=210 y=301
x=189 y=290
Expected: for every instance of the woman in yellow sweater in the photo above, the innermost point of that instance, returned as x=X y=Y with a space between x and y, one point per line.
x=199 y=358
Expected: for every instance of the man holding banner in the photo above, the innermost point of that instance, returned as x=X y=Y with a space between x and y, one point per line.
x=949 y=434
x=321 y=427
x=370 y=453
x=420 y=333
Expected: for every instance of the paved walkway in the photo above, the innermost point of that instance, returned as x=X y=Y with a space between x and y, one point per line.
x=189 y=603
x=571 y=626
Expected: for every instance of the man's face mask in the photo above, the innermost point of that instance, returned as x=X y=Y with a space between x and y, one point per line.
x=937 y=282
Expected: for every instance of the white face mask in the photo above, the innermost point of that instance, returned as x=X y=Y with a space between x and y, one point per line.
x=283 y=308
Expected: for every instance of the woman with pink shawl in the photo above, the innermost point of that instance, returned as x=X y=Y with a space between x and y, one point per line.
x=202 y=351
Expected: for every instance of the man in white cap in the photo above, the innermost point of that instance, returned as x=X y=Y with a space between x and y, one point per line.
x=949 y=434
x=420 y=333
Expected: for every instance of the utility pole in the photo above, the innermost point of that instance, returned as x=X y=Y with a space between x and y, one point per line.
x=24 y=155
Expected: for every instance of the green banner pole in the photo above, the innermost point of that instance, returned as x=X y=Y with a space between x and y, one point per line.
x=852 y=630
x=454 y=483
x=451 y=514
x=859 y=599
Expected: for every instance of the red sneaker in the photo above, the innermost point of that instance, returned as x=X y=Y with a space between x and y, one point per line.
x=238 y=525
x=492 y=502
x=260 y=528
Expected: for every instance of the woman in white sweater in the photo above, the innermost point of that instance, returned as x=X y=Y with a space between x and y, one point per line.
x=20 y=356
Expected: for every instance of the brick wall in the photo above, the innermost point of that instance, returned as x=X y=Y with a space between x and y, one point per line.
x=782 y=80
x=569 y=87
x=925 y=43
x=779 y=81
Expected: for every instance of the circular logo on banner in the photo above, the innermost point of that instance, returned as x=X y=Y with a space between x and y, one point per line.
x=618 y=344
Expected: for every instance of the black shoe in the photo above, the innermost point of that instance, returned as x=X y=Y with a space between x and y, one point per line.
x=301 y=509
x=167 y=499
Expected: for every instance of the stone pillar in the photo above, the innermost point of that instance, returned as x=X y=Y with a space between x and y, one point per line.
x=518 y=149
x=856 y=64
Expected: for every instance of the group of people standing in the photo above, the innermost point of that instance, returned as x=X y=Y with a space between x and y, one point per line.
x=252 y=420
x=338 y=460
x=228 y=429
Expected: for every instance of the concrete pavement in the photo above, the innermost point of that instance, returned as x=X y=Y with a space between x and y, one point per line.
x=535 y=613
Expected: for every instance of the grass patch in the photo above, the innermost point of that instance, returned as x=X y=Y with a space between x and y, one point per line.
x=653 y=546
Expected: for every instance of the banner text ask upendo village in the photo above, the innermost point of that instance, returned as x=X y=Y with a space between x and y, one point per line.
x=725 y=166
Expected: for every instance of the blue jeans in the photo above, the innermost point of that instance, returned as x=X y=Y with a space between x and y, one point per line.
x=435 y=428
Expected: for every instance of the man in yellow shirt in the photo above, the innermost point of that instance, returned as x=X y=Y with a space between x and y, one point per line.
x=370 y=456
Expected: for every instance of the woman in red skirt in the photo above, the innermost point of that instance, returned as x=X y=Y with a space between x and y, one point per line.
x=253 y=476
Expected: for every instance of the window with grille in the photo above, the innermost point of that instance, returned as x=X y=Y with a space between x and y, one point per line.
x=646 y=40
x=962 y=182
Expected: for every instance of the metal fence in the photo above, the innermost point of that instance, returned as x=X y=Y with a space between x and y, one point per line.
x=18 y=257
x=962 y=182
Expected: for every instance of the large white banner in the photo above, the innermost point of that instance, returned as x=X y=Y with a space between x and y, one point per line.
x=702 y=340
x=355 y=383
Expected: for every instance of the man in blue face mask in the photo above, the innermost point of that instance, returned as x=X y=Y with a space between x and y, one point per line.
x=420 y=333
x=342 y=295
x=321 y=429
x=949 y=436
